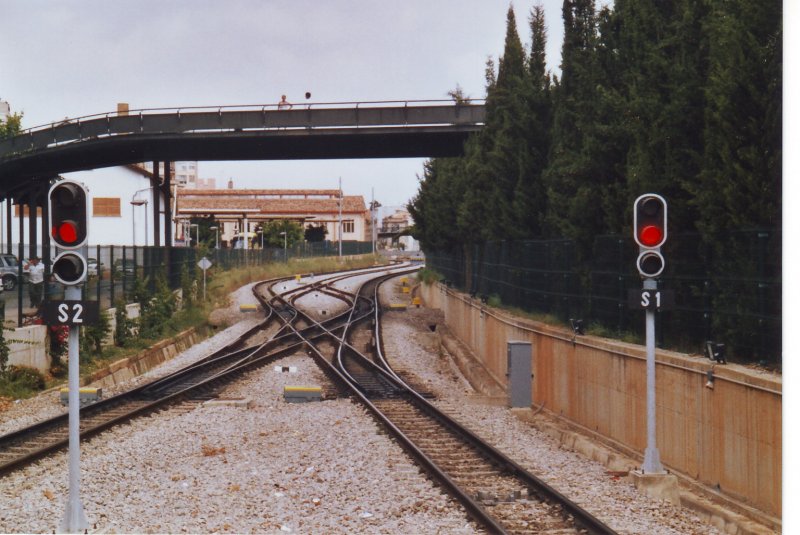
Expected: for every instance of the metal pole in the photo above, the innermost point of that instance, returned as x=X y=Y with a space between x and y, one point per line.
x=133 y=210
x=372 y=221
x=285 y=254
x=341 y=201
x=204 y=285
x=652 y=461
x=74 y=520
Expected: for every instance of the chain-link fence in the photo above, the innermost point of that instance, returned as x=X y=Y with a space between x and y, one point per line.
x=728 y=292
x=114 y=271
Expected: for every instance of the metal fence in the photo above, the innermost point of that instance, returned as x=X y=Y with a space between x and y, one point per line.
x=730 y=294
x=115 y=270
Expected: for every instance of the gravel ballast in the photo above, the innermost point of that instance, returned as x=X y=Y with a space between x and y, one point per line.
x=279 y=467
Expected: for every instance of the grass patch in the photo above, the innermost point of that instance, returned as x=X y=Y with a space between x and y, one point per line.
x=428 y=276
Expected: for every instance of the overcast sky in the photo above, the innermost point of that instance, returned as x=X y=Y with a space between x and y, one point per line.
x=69 y=58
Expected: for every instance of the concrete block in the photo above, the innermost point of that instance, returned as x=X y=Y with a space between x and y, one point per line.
x=661 y=486
x=302 y=394
x=87 y=396
x=245 y=403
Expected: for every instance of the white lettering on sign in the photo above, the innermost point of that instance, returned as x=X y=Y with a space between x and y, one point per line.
x=65 y=309
x=647 y=295
x=78 y=311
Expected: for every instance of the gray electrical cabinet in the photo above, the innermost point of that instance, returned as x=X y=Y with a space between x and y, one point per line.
x=519 y=374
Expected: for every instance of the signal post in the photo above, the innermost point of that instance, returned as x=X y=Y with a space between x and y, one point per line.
x=650 y=233
x=69 y=231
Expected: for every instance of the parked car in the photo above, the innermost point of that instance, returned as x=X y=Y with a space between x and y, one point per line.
x=91 y=266
x=126 y=266
x=9 y=271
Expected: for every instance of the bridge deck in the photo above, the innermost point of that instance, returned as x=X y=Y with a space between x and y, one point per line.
x=375 y=130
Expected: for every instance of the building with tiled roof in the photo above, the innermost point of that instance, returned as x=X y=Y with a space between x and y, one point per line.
x=237 y=209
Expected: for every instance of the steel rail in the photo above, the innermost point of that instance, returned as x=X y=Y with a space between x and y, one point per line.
x=139 y=395
x=584 y=517
x=339 y=376
x=543 y=490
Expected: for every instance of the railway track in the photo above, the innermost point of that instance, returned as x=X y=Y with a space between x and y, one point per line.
x=499 y=494
x=194 y=384
x=496 y=491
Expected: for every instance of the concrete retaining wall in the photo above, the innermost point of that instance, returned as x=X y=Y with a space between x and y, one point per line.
x=726 y=437
x=27 y=347
x=125 y=369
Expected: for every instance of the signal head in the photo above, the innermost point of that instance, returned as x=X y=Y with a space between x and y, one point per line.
x=650 y=221
x=69 y=214
x=650 y=264
x=70 y=268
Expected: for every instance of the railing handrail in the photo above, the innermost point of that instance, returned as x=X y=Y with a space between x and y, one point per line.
x=253 y=107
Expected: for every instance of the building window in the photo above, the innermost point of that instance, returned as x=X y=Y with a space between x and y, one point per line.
x=348 y=226
x=26 y=210
x=106 y=207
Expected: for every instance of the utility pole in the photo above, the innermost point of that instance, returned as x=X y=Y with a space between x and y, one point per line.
x=341 y=200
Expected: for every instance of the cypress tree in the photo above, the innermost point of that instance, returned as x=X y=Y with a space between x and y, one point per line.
x=506 y=155
x=530 y=195
x=573 y=210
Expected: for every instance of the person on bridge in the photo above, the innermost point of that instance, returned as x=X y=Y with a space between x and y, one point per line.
x=284 y=104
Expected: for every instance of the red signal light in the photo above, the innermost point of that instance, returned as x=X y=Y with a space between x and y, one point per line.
x=67 y=232
x=651 y=236
x=69 y=214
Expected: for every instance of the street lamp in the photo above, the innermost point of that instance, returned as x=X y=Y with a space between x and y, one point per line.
x=216 y=235
x=285 y=254
x=134 y=203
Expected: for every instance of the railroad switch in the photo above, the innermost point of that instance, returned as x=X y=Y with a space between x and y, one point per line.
x=87 y=395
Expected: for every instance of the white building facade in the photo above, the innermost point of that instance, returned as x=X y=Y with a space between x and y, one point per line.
x=121 y=208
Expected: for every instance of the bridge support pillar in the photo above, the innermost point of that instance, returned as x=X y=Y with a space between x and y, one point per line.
x=156 y=186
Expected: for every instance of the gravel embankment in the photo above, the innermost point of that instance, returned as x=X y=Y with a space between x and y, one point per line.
x=28 y=411
x=301 y=468
x=612 y=499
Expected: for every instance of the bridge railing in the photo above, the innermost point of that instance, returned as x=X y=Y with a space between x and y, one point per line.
x=242 y=118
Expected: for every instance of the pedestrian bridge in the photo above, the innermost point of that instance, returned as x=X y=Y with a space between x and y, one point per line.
x=388 y=129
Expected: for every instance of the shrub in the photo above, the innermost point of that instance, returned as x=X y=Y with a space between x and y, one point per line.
x=25 y=377
x=428 y=276
x=92 y=336
x=122 y=334
x=4 y=351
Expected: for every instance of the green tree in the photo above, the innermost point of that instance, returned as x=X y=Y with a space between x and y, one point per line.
x=11 y=126
x=315 y=233
x=530 y=194
x=273 y=229
x=571 y=178
x=435 y=206
x=740 y=182
x=504 y=158
x=207 y=236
